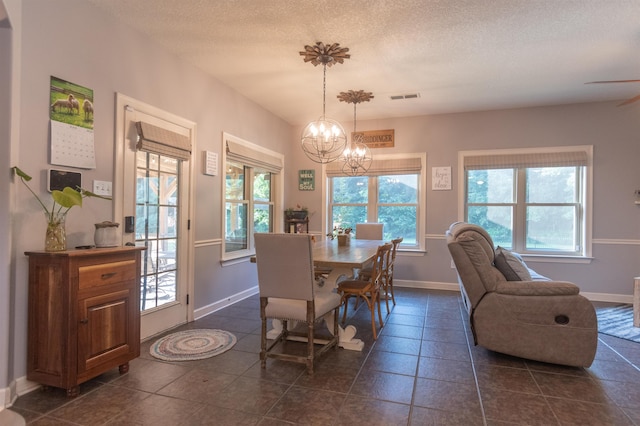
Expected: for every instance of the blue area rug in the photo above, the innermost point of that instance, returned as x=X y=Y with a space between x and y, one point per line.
x=617 y=321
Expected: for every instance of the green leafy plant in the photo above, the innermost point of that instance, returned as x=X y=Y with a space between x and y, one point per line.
x=62 y=200
x=339 y=231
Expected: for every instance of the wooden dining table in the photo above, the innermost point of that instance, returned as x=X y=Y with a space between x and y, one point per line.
x=341 y=261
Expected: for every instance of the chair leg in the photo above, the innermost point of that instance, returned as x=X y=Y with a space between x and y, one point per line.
x=393 y=297
x=263 y=333
x=386 y=296
x=336 y=331
x=310 y=335
x=377 y=296
x=345 y=304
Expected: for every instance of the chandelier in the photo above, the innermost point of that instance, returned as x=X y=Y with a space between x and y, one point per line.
x=357 y=155
x=324 y=139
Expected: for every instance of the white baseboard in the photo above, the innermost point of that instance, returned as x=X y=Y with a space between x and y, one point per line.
x=16 y=388
x=433 y=285
x=216 y=306
x=428 y=285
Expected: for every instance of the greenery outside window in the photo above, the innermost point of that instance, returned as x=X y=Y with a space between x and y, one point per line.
x=392 y=193
x=535 y=202
x=252 y=179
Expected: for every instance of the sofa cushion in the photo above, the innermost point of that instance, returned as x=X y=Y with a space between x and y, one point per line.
x=511 y=265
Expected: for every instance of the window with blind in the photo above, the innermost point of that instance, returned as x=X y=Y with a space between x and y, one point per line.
x=531 y=201
x=392 y=192
x=252 y=180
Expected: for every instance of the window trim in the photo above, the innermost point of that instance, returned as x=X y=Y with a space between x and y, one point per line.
x=422 y=195
x=587 y=233
x=253 y=156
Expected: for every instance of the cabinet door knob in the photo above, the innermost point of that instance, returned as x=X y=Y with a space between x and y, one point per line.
x=84 y=321
x=107 y=276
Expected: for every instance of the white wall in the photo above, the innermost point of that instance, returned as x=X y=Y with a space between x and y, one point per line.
x=614 y=133
x=72 y=40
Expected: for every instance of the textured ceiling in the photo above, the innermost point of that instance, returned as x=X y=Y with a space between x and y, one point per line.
x=458 y=55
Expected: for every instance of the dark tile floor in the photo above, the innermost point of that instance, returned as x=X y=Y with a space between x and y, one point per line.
x=421 y=371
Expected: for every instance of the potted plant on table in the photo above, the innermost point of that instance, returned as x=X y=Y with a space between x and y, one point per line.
x=342 y=234
x=56 y=236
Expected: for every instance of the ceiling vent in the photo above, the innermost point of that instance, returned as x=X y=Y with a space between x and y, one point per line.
x=409 y=96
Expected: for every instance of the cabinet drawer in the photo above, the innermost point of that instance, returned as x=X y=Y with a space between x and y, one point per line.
x=106 y=273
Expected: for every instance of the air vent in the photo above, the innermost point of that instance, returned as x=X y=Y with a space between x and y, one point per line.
x=409 y=96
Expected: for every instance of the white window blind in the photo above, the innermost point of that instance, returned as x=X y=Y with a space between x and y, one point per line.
x=381 y=167
x=251 y=157
x=526 y=160
x=162 y=141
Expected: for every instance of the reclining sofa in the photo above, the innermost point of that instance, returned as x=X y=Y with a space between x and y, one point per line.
x=541 y=320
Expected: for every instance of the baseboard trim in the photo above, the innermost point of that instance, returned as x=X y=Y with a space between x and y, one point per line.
x=427 y=285
x=216 y=306
x=433 y=285
x=16 y=388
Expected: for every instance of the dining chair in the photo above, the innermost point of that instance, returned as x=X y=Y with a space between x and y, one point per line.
x=367 y=290
x=388 y=271
x=369 y=231
x=386 y=284
x=287 y=293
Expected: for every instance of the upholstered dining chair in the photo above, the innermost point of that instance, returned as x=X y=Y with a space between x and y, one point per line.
x=369 y=231
x=369 y=289
x=287 y=293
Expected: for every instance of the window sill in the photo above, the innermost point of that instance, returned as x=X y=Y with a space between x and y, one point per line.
x=546 y=258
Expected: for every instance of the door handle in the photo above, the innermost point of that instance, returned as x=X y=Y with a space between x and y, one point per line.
x=84 y=321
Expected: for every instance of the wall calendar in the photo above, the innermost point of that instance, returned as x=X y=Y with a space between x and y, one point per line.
x=72 y=142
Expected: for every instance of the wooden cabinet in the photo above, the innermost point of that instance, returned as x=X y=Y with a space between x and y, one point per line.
x=84 y=314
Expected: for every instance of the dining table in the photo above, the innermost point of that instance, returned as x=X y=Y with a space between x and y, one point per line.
x=341 y=262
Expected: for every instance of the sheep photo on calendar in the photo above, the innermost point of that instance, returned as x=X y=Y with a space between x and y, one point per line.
x=70 y=103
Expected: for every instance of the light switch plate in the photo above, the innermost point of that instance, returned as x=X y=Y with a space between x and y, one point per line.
x=101 y=187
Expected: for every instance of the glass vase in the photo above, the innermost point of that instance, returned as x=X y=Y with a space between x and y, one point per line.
x=56 y=236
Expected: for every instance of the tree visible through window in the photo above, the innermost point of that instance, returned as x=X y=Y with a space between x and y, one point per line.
x=390 y=195
x=535 y=203
x=252 y=176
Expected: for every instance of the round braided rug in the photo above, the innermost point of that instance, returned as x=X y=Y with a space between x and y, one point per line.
x=190 y=345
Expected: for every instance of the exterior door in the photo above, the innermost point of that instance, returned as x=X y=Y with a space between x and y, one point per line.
x=157 y=194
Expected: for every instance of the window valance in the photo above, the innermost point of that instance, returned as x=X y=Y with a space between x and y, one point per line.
x=393 y=166
x=522 y=160
x=162 y=141
x=252 y=157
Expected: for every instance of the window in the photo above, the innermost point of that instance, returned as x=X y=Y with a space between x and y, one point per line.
x=392 y=193
x=252 y=179
x=531 y=201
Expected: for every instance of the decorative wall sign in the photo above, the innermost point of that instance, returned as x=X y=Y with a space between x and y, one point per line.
x=306 y=180
x=71 y=114
x=210 y=163
x=441 y=178
x=377 y=138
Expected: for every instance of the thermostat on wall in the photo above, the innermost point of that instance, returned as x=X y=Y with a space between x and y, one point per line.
x=58 y=179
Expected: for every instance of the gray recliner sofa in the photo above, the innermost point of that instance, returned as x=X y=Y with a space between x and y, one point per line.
x=546 y=321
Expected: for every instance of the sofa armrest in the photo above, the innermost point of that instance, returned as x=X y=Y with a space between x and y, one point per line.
x=537 y=288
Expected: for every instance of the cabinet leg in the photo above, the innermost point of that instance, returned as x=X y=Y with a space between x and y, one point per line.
x=124 y=368
x=72 y=392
